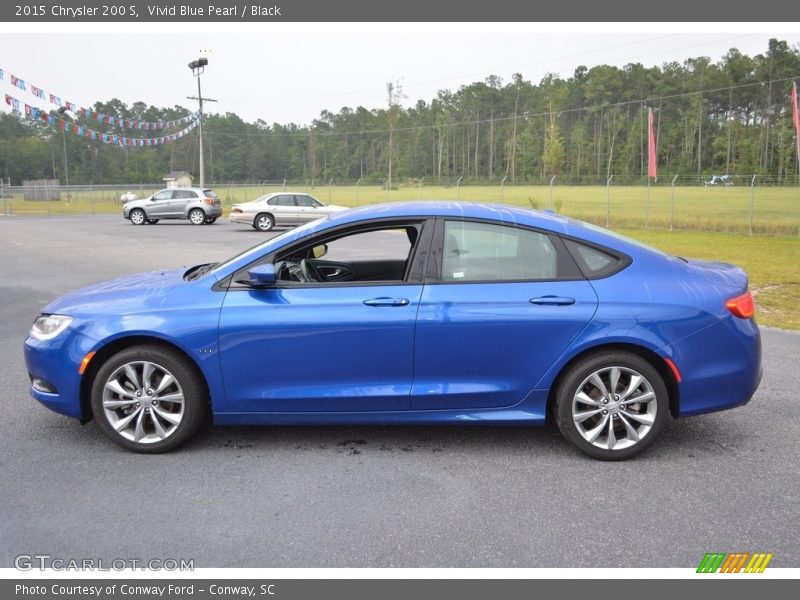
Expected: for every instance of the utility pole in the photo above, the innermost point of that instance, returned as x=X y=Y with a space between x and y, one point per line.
x=198 y=67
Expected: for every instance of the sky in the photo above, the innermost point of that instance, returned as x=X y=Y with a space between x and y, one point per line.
x=291 y=74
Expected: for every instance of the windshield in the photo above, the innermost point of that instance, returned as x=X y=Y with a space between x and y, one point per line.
x=257 y=249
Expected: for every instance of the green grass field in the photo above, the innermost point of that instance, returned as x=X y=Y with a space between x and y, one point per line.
x=708 y=223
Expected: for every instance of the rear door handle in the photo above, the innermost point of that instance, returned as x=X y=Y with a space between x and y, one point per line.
x=553 y=301
x=386 y=302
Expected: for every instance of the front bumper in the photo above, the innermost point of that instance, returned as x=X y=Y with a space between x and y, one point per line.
x=56 y=362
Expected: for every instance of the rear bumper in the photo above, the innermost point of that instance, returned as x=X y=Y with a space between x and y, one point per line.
x=244 y=218
x=720 y=366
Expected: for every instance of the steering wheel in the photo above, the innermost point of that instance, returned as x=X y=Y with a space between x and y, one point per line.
x=309 y=271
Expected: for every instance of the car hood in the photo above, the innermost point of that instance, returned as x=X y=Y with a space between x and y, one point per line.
x=136 y=203
x=121 y=295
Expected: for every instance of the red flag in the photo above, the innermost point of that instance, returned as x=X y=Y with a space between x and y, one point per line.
x=795 y=114
x=651 y=145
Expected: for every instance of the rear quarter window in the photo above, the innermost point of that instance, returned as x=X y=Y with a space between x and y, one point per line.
x=595 y=262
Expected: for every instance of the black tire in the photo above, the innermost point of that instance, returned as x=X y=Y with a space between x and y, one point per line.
x=188 y=382
x=619 y=412
x=137 y=216
x=152 y=221
x=210 y=220
x=197 y=216
x=263 y=222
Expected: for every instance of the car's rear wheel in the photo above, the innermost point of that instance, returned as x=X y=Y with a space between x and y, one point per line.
x=210 y=220
x=137 y=216
x=197 y=216
x=264 y=222
x=148 y=399
x=152 y=221
x=612 y=406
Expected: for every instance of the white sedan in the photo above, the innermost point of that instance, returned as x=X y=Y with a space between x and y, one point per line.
x=279 y=209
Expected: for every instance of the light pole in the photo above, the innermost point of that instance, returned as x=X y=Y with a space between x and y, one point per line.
x=63 y=112
x=198 y=67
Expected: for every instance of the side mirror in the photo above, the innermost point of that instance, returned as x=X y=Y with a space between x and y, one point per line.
x=320 y=251
x=262 y=275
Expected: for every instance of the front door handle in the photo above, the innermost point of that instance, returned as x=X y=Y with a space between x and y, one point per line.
x=553 y=301
x=386 y=302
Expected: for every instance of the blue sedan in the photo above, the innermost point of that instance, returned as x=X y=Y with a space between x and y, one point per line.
x=435 y=312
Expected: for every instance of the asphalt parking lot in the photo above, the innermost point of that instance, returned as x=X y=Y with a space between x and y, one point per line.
x=367 y=496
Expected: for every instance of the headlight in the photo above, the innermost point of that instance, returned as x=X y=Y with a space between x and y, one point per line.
x=46 y=327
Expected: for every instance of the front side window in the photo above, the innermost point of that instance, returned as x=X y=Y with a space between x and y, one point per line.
x=376 y=255
x=488 y=252
x=161 y=196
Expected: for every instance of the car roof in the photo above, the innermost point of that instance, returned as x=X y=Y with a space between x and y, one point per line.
x=514 y=215
x=448 y=208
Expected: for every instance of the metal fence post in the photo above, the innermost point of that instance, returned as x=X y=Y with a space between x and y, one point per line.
x=752 y=200
x=357 y=184
x=502 y=189
x=307 y=182
x=608 y=201
x=419 y=189
x=284 y=184
x=552 y=181
x=330 y=186
x=672 y=204
x=458 y=187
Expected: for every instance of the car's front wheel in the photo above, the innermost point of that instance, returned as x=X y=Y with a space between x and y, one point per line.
x=264 y=222
x=612 y=406
x=197 y=216
x=137 y=216
x=148 y=399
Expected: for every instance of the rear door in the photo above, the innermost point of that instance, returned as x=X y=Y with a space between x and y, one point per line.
x=500 y=305
x=180 y=202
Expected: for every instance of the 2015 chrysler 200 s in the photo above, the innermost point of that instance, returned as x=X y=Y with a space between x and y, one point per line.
x=434 y=312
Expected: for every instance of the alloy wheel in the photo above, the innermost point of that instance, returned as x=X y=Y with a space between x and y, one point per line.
x=614 y=408
x=143 y=402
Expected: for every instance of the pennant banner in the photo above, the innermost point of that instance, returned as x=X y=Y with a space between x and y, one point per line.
x=37 y=114
x=651 y=146
x=795 y=112
x=114 y=120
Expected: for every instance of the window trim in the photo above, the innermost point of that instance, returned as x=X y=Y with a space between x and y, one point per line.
x=624 y=261
x=418 y=258
x=433 y=271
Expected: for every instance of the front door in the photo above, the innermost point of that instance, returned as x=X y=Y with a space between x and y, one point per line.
x=340 y=340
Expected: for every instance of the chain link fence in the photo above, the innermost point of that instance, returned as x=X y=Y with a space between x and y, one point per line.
x=754 y=204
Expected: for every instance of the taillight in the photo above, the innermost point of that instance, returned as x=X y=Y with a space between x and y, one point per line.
x=742 y=306
x=236 y=210
x=209 y=201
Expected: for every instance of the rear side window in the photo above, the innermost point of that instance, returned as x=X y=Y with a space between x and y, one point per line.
x=595 y=262
x=488 y=252
x=283 y=200
x=184 y=194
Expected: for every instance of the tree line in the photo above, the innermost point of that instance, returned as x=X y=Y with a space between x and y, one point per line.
x=732 y=116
